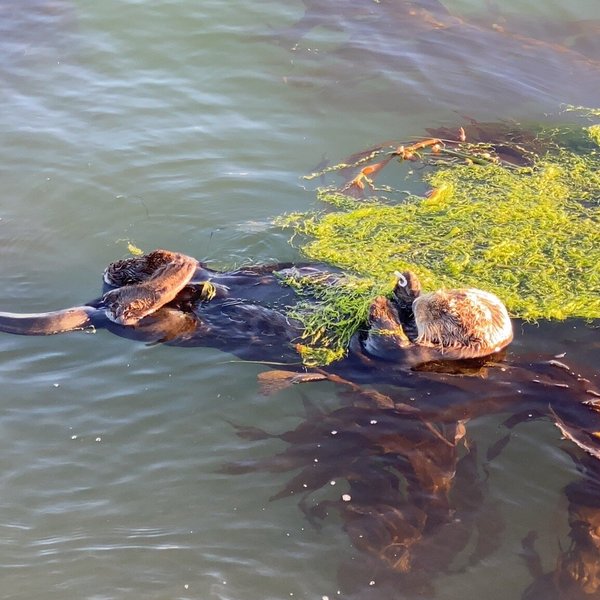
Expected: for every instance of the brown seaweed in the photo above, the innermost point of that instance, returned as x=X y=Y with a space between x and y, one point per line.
x=470 y=61
x=409 y=486
x=576 y=575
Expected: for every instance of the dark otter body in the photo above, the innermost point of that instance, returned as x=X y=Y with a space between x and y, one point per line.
x=171 y=298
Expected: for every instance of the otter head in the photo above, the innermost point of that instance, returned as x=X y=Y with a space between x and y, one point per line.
x=463 y=323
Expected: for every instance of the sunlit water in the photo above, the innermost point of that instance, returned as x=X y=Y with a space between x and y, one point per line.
x=187 y=125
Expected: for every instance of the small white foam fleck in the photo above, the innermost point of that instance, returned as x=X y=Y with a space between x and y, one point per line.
x=346 y=497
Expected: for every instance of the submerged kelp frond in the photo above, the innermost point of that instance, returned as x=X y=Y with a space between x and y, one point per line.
x=529 y=234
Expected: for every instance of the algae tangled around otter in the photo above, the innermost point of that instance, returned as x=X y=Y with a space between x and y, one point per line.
x=530 y=234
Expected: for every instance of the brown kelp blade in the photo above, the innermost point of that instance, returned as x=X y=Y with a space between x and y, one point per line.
x=531 y=556
x=496 y=448
x=271 y=382
x=311 y=478
x=490 y=526
x=586 y=440
x=247 y=432
x=356 y=186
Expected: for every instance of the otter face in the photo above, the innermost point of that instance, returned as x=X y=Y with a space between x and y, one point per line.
x=470 y=321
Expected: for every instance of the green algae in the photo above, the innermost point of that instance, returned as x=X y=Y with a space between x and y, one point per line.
x=529 y=234
x=593 y=132
x=342 y=301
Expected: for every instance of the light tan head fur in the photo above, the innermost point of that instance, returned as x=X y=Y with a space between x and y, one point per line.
x=466 y=322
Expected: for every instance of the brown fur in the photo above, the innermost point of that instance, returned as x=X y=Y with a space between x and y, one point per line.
x=161 y=275
x=471 y=321
x=439 y=326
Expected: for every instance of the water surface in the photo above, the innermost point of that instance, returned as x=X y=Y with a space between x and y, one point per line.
x=187 y=125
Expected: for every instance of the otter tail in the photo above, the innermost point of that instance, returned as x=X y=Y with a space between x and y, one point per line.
x=49 y=323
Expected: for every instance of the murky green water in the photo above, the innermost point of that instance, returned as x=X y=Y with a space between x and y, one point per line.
x=187 y=125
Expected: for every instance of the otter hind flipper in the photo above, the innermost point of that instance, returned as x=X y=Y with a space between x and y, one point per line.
x=161 y=280
x=137 y=269
x=48 y=323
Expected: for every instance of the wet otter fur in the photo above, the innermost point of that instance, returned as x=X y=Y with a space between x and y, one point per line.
x=472 y=321
x=443 y=325
x=165 y=296
x=147 y=283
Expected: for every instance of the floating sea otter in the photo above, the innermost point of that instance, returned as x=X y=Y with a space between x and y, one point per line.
x=441 y=325
x=379 y=441
x=169 y=297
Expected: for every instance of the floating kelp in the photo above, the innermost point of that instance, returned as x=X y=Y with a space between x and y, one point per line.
x=401 y=471
x=524 y=227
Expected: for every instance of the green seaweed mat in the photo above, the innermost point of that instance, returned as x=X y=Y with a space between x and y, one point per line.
x=529 y=234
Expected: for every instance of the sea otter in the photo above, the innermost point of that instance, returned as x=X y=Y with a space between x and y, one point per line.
x=168 y=297
x=448 y=324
